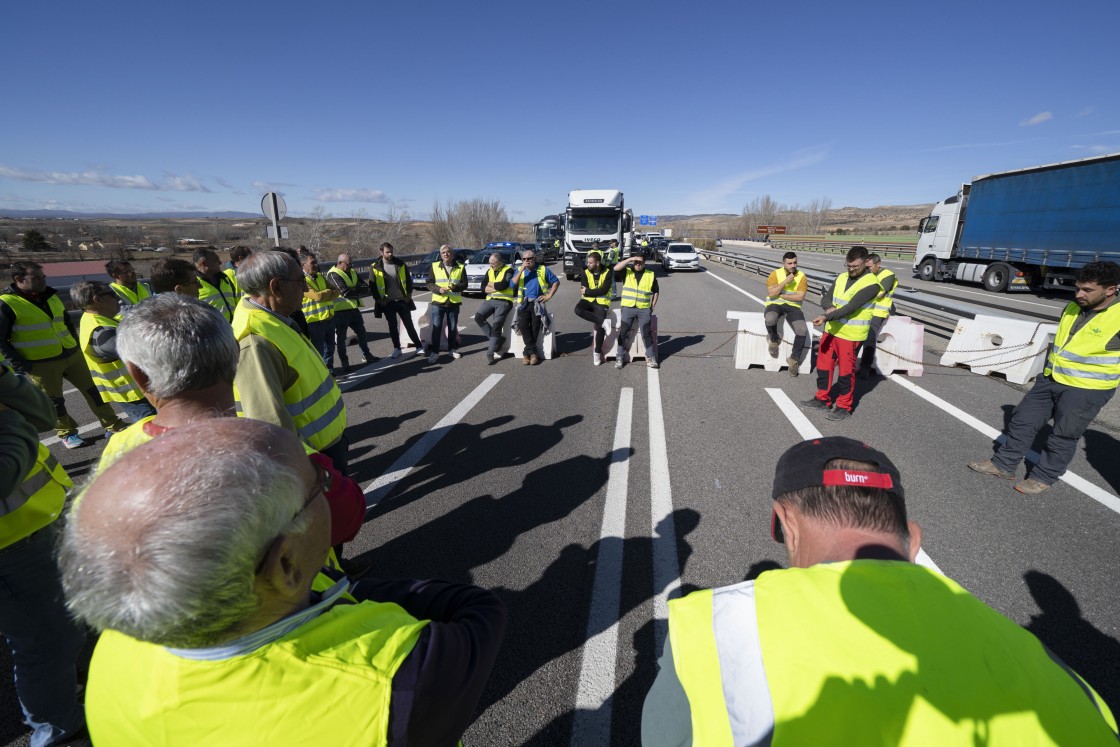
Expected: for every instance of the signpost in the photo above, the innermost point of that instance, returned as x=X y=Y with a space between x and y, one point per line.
x=274 y=207
x=776 y=230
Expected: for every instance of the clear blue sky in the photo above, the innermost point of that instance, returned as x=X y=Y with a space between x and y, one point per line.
x=687 y=107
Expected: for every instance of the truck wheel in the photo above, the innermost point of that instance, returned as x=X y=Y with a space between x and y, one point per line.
x=996 y=278
x=927 y=269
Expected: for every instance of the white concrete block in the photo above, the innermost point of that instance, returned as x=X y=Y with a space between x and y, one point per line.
x=901 y=343
x=752 y=343
x=636 y=346
x=994 y=344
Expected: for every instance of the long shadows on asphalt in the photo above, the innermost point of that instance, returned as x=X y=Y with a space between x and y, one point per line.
x=1100 y=451
x=1059 y=624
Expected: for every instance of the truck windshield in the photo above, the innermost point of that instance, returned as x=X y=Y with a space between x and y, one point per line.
x=593 y=224
x=549 y=234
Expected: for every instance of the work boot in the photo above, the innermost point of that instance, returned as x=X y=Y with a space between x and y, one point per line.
x=1031 y=486
x=619 y=363
x=527 y=361
x=433 y=358
x=370 y=357
x=839 y=413
x=987 y=468
x=815 y=404
x=773 y=347
x=793 y=364
x=534 y=360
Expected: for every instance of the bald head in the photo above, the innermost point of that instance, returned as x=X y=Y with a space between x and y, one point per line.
x=164 y=544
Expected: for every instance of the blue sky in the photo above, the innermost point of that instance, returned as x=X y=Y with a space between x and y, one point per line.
x=687 y=107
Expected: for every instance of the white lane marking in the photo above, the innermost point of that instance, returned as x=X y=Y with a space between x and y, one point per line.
x=807 y=430
x=1075 y=481
x=383 y=485
x=592 y=723
x=756 y=299
x=793 y=413
x=666 y=564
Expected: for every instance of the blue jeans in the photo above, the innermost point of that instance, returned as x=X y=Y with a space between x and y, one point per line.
x=322 y=339
x=438 y=316
x=137 y=410
x=45 y=641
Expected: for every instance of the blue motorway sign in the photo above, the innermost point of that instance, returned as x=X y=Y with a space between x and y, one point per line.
x=643 y=220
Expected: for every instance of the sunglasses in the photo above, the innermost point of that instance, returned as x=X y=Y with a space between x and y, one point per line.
x=776 y=529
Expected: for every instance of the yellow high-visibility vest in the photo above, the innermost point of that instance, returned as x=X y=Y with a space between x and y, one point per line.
x=596 y=284
x=37 y=501
x=35 y=334
x=858 y=325
x=317 y=311
x=542 y=283
x=497 y=277
x=444 y=278
x=222 y=296
x=789 y=284
x=1082 y=360
x=885 y=302
x=377 y=272
x=351 y=279
x=110 y=377
x=638 y=294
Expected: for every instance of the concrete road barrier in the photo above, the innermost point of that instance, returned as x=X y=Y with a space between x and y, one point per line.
x=995 y=344
x=752 y=343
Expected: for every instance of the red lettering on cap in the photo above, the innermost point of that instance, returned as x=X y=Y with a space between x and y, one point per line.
x=859 y=479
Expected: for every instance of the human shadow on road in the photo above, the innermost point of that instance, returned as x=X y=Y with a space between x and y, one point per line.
x=363 y=434
x=1100 y=451
x=1059 y=624
x=667 y=346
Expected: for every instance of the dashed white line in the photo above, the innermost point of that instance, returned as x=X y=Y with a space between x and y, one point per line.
x=666 y=565
x=383 y=485
x=592 y=722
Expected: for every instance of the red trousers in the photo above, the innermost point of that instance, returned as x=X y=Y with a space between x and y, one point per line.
x=834 y=352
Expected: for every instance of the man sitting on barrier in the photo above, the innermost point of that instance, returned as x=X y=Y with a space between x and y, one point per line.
x=785 y=290
x=595 y=301
x=1081 y=375
x=220 y=625
x=855 y=643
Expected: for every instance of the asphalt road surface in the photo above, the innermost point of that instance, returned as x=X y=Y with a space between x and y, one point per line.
x=586 y=497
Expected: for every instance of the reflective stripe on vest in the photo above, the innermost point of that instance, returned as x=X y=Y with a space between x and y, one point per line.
x=351 y=279
x=857 y=326
x=444 y=278
x=1082 y=360
x=317 y=311
x=36 y=335
x=377 y=272
x=871 y=652
x=110 y=377
x=594 y=284
x=231 y=273
x=313 y=400
x=224 y=301
x=790 y=283
x=287 y=691
x=542 y=284
x=37 y=501
x=637 y=294
x=885 y=300
x=128 y=296
x=491 y=278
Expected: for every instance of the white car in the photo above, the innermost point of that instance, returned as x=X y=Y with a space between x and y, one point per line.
x=680 y=256
x=480 y=263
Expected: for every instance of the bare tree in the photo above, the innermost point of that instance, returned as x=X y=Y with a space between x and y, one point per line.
x=395 y=226
x=315 y=230
x=470 y=223
x=359 y=237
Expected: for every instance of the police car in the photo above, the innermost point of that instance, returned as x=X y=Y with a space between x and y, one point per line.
x=480 y=263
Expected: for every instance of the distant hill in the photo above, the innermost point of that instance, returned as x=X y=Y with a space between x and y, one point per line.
x=8 y=213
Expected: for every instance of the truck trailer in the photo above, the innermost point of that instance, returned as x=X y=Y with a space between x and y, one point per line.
x=1025 y=229
x=593 y=216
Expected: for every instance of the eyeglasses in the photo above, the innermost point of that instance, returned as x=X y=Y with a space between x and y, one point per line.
x=321 y=486
x=776 y=530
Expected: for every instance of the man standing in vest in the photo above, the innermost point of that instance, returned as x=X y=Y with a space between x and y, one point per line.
x=348 y=310
x=129 y=290
x=97 y=337
x=259 y=643
x=785 y=290
x=281 y=377
x=237 y=255
x=491 y=315
x=214 y=286
x=612 y=259
x=639 y=298
x=447 y=279
x=884 y=303
x=175 y=276
x=536 y=285
x=855 y=643
x=44 y=640
x=1080 y=377
x=37 y=338
x=847 y=319
x=595 y=301
x=391 y=286
x=318 y=309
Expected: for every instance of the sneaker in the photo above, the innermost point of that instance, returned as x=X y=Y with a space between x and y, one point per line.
x=773 y=347
x=456 y=354
x=1031 y=486
x=433 y=358
x=839 y=413
x=987 y=468
x=793 y=364
x=618 y=362
x=534 y=360
x=815 y=404
x=73 y=441
x=396 y=353
x=597 y=359
x=492 y=359
x=652 y=364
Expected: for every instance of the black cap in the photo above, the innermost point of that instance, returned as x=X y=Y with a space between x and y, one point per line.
x=803 y=466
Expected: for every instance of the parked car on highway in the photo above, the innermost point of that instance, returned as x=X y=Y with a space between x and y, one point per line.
x=680 y=256
x=480 y=263
x=419 y=270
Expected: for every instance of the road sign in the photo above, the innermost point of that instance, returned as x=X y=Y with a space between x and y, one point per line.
x=643 y=220
x=274 y=207
x=272 y=232
x=653 y=220
x=771 y=229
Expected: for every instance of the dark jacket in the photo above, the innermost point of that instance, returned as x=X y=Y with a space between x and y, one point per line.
x=8 y=320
